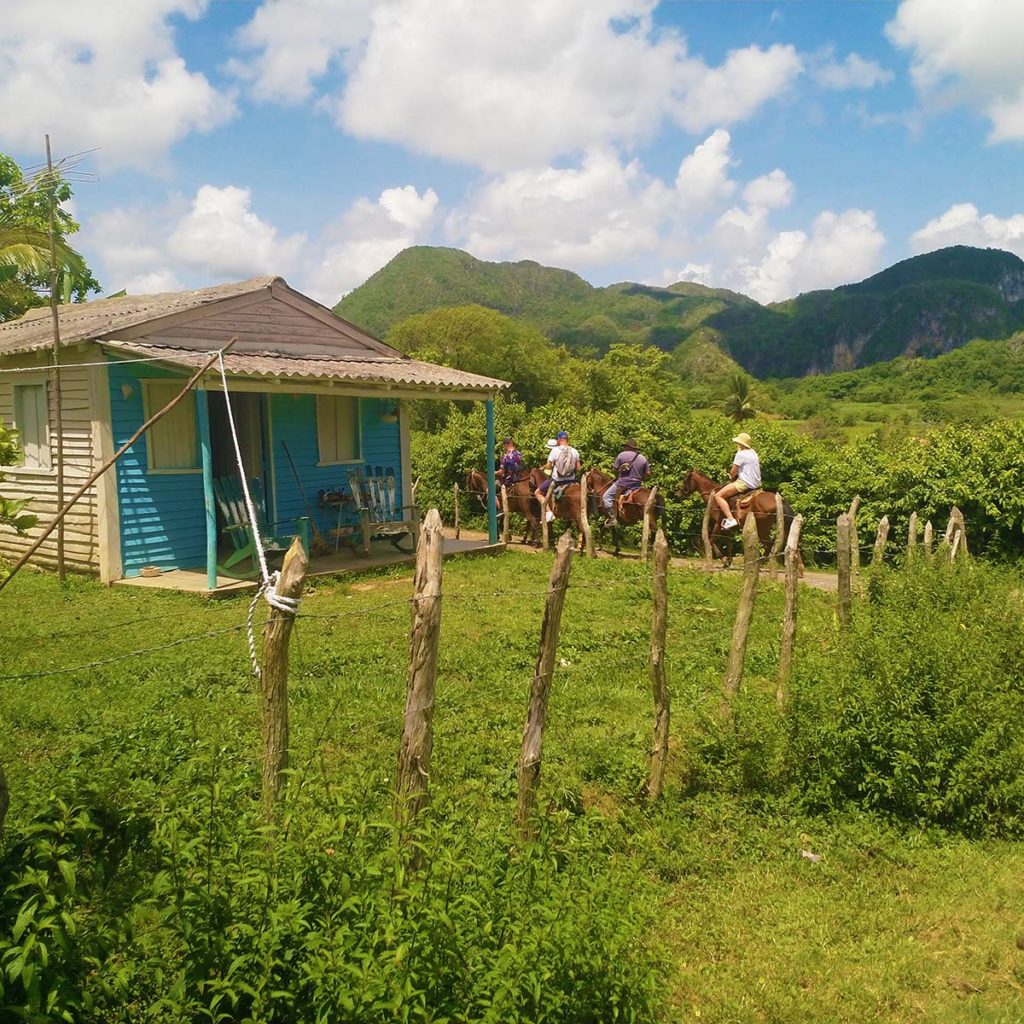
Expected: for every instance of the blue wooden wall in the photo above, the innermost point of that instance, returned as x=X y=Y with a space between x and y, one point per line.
x=162 y=517
x=293 y=420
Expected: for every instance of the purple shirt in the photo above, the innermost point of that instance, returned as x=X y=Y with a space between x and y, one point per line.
x=631 y=468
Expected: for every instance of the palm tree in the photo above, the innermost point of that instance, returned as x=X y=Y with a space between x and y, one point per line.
x=25 y=252
x=738 y=403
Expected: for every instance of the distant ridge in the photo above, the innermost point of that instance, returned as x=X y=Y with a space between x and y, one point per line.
x=921 y=306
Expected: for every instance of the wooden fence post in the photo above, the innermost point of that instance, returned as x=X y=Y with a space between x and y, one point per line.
x=506 y=521
x=5 y=799
x=780 y=526
x=854 y=539
x=645 y=529
x=745 y=610
x=417 y=727
x=532 y=745
x=961 y=527
x=659 y=684
x=789 y=612
x=926 y=542
x=912 y=537
x=844 y=557
x=705 y=533
x=274 y=678
x=458 y=512
x=880 y=540
x=588 y=535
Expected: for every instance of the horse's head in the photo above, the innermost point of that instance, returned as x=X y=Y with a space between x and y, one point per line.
x=476 y=487
x=596 y=480
x=687 y=487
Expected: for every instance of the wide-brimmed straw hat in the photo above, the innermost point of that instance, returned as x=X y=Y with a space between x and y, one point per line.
x=743 y=439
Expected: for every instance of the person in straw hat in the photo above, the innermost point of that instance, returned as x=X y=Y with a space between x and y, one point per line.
x=744 y=475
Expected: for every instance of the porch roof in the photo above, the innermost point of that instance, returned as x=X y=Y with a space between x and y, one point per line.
x=366 y=369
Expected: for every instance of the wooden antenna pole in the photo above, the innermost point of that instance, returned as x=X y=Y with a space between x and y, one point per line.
x=54 y=314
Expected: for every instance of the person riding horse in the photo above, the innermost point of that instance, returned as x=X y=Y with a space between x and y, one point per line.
x=563 y=463
x=512 y=463
x=744 y=475
x=630 y=469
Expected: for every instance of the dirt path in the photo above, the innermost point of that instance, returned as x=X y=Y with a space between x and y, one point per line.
x=818 y=580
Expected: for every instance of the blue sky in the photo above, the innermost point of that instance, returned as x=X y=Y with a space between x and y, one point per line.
x=770 y=147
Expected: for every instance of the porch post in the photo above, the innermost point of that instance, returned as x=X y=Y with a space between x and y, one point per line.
x=492 y=505
x=203 y=409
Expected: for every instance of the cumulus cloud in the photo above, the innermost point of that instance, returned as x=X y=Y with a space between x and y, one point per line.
x=967 y=53
x=703 y=176
x=503 y=85
x=368 y=235
x=962 y=224
x=853 y=72
x=770 y=191
x=110 y=78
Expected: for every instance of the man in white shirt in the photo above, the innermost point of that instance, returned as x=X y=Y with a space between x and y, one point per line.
x=563 y=464
x=745 y=475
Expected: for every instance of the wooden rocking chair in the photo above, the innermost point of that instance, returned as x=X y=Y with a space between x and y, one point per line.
x=379 y=514
x=231 y=502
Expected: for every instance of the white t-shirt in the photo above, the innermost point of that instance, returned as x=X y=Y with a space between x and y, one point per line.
x=563 y=462
x=749 y=466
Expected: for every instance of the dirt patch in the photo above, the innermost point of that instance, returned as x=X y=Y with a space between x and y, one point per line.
x=380 y=584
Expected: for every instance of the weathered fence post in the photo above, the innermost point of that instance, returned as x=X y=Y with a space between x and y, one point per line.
x=645 y=529
x=880 y=540
x=506 y=522
x=533 y=731
x=780 y=526
x=745 y=610
x=854 y=539
x=458 y=512
x=705 y=534
x=659 y=684
x=5 y=799
x=274 y=678
x=417 y=727
x=961 y=527
x=844 y=558
x=588 y=536
x=789 y=612
x=926 y=542
x=912 y=537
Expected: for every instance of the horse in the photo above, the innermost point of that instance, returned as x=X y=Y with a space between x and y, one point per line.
x=763 y=504
x=631 y=507
x=568 y=507
x=520 y=499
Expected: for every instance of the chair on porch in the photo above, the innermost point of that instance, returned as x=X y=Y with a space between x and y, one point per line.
x=231 y=502
x=379 y=513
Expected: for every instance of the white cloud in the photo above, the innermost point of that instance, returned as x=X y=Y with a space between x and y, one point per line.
x=841 y=247
x=296 y=41
x=738 y=88
x=962 y=224
x=967 y=52
x=853 y=72
x=503 y=85
x=153 y=282
x=770 y=191
x=222 y=237
x=367 y=236
x=109 y=76
x=703 y=177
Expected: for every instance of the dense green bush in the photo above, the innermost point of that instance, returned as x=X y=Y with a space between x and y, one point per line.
x=191 y=909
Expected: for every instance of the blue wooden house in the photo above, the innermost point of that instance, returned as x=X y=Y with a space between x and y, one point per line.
x=317 y=402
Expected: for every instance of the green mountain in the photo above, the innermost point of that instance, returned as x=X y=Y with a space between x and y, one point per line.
x=922 y=306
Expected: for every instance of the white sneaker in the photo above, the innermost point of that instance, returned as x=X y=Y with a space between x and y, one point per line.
x=729 y=524
x=550 y=516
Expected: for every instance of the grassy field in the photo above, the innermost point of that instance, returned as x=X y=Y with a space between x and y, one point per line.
x=892 y=924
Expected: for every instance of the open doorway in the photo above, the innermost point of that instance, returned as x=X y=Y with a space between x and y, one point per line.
x=250 y=413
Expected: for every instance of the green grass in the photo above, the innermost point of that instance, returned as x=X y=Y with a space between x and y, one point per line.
x=891 y=925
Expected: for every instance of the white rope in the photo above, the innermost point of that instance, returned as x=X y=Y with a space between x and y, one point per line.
x=268 y=583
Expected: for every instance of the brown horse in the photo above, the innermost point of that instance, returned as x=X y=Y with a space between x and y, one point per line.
x=763 y=505
x=566 y=508
x=520 y=499
x=630 y=511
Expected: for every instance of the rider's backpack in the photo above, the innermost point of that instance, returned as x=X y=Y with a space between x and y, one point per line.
x=563 y=464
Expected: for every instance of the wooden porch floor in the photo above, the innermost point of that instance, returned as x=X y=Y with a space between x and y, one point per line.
x=193 y=581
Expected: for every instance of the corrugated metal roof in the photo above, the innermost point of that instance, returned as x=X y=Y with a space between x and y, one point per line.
x=382 y=369
x=85 y=321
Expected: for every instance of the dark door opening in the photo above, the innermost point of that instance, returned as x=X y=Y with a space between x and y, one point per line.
x=250 y=413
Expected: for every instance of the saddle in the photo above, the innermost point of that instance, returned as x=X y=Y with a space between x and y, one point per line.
x=622 y=499
x=741 y=502
x=560 y=489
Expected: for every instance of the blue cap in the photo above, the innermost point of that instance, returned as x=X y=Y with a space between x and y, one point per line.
x=562 y=435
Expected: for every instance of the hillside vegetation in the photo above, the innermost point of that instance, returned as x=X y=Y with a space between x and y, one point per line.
x=922 y=306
